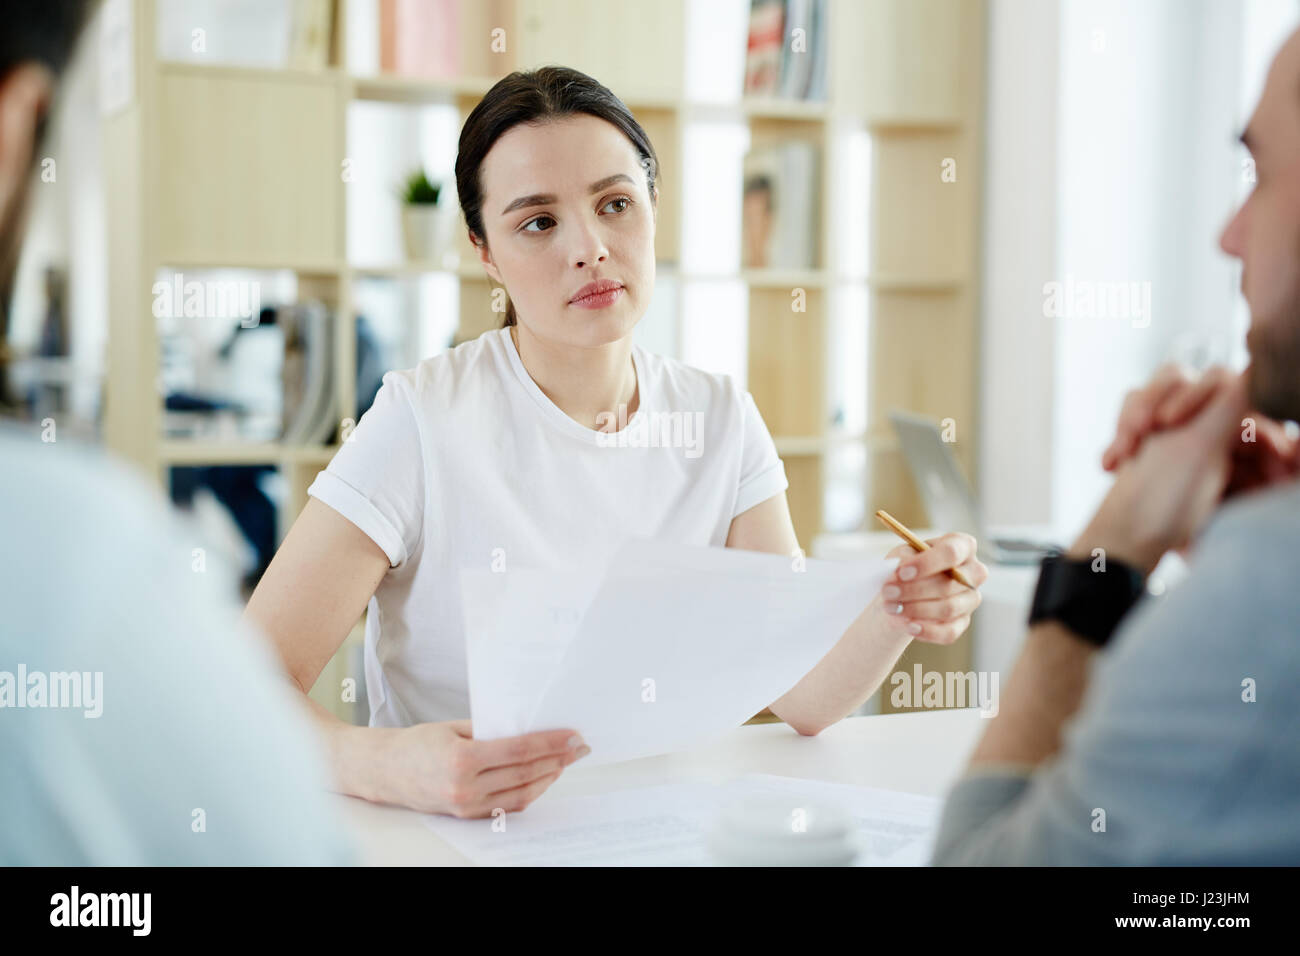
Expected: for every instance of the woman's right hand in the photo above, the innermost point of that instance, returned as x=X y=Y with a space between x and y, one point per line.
x=441 y=768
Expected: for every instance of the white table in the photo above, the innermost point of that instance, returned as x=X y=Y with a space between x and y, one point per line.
x=920 y=752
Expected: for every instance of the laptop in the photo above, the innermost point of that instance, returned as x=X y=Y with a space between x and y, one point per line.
x=947 y=495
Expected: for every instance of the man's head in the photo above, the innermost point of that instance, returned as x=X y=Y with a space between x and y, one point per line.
x=1265 y=236
x=36 y=40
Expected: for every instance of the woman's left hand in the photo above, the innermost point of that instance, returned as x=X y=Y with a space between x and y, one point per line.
x=921 y=600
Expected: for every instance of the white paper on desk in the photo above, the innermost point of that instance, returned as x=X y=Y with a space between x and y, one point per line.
x=668 y=825
x=660 y=648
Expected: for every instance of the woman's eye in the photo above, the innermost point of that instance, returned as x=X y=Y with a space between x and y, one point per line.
x=526 y=227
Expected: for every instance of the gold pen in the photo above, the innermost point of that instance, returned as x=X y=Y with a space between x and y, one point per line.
x=905 y=533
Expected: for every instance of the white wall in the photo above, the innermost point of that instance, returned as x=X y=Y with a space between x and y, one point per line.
x=1019 y=227
x=1111 y=158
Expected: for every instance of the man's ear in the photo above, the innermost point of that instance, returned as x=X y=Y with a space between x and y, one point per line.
x=25 y=93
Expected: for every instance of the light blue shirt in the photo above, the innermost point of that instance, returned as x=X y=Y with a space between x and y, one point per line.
x=199 y=754
x=1184 y=767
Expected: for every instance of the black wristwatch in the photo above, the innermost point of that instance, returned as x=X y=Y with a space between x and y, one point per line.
x=1089 y=602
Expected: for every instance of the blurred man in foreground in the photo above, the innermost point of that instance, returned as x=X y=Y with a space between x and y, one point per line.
x=1177 y=744
x=138 y=723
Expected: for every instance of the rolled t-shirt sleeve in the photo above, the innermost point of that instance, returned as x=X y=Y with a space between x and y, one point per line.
x=762 y=474
x=376 y=479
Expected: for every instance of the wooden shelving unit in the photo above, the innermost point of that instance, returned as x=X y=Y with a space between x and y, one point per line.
x=219 y=167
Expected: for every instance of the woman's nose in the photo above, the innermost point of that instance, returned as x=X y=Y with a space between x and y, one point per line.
x=588 y=246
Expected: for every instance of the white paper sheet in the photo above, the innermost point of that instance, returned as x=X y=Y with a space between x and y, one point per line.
x=660 y=648
x=668 y=825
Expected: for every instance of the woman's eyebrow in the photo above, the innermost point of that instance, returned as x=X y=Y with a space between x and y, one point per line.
x=541 y=199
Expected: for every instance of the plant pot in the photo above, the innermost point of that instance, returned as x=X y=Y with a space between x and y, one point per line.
x=426 y=231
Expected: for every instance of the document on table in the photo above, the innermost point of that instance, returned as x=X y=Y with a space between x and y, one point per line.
x=657 y=649
x=668 y=825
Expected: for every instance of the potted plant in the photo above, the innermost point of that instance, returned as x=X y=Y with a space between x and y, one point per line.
x=426 y=225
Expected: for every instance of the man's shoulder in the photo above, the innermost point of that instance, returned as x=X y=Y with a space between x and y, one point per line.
x=1238 y=602
x=46 y=482
x=1268 y=518
x=1247 y=556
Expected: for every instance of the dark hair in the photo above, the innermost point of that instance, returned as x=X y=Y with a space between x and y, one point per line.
x=536 y=97
x=42 y=30
x=46 y=32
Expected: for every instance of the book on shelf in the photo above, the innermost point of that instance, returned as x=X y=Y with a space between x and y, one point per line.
x=781 y=62
x=308 y=379
x=763 y=56
x=779 y=210
x=420 y=38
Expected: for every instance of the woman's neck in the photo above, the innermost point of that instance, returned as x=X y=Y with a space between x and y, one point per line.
x=588 y=385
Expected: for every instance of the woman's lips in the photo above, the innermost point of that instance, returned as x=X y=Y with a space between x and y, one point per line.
x=601 y=300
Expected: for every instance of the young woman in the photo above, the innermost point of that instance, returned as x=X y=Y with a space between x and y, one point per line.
x=500 y=451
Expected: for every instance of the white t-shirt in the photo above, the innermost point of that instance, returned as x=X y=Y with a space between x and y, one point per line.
x=463 y=462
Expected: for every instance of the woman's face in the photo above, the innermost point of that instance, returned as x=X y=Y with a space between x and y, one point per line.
x=565 y=204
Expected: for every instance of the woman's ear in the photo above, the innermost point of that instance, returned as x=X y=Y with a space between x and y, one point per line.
x=485 y=257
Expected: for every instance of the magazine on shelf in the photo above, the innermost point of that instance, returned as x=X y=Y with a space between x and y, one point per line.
x=780 y=63
x=420 y=38
x=766 y=39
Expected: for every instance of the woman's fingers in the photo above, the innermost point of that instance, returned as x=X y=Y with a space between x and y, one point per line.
x=941 y=633
x=923 y=601
x=947 y=551
x=504 y=779
x=936 y=585
x=481 y=755
x=511 y=801
x=949 y=608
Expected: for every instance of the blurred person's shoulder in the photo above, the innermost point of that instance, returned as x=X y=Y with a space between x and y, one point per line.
x=80 y=515
x=42 y=470
x=1255 y=539
x=100 y=576
x=1271 y=516
x=1240 y=582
